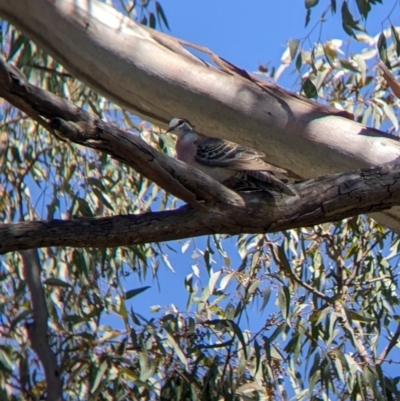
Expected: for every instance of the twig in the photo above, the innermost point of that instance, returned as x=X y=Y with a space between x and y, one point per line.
x=388 y=348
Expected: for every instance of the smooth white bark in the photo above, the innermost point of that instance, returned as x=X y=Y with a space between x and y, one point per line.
x=146 y=72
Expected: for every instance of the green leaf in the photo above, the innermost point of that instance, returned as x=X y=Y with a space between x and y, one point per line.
x=299 y=62
x=396 y=39
x=329 y=57
x=339 y=368
x=186 y=245
x=131 y=375
x=213 y=280
x=161 y=14
x=309 y=89
x=15 y=45
x=266 y=296
x=360 y=318
x=94 y=182
x=292 y=344
x=253 y=287
x=310 y=3
x=239 y=334
x=382 y=49
x=322 y=313
x=348 y=21
x=284 y=301
x=84 y=207
x=26 y=57
x=363 y=7
x=177 y=349
x=121 y=309
x=390 y=113
x=348 y=66
x=132 y=293
x=308 y=17
x=102 y=198
x=146 y=367
x=80 y=262
x=122 y=346
x=16 y=156
x=5 y=361
x=204 y=295
x=99 y=376
x=207 y=256
x=257 y=350
x=284 y=262
x=362 y=66
x=73 y=319
x=315 y=365
x=152 y=20
x=56 y=282
x=293 y=47
x=225 y=280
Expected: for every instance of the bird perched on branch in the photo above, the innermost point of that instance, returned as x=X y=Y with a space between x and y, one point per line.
x=238 y=167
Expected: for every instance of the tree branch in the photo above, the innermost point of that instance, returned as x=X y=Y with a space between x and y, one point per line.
x=153 y=75
x=37 y=331
x=321 y=200
x=389 y=347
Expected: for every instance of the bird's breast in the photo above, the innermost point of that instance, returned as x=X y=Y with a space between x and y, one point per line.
x=186 y=148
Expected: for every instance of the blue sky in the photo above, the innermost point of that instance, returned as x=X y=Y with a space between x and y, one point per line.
x=256 y=32
x=245 y=34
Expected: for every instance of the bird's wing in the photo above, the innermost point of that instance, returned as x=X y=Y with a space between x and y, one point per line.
x=216 y=152
x=253 y=181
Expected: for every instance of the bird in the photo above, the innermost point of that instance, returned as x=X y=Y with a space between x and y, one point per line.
x=238 y=167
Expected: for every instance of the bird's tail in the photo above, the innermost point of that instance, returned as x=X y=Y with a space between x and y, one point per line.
x=258 y=181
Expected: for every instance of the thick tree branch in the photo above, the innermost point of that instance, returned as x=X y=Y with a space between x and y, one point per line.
x=324 y=199
x=37 y=331
x=151 y=74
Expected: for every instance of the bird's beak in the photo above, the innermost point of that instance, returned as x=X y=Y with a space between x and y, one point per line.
x=170 y=129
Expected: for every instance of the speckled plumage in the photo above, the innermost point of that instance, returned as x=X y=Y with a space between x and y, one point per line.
x=238 y=167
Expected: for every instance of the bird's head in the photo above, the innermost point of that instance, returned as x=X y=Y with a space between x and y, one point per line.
x=179 y=125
